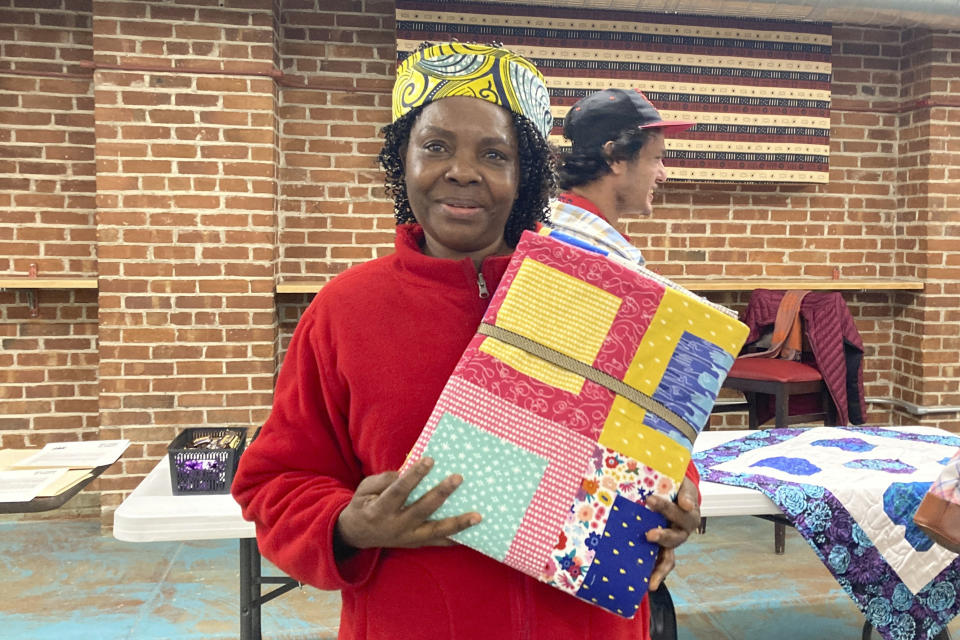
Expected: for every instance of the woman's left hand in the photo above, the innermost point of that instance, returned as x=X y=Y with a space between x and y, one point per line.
x=684 y=518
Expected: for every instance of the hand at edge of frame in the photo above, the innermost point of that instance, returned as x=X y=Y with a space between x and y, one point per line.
x=684 y=518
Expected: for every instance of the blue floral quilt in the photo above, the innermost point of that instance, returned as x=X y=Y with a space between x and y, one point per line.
x=852 y=493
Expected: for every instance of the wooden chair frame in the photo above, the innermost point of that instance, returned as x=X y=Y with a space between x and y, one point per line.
x=781 y=391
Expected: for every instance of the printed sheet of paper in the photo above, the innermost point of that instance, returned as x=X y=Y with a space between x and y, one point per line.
x=77 y=455
x=64 y=482
x=23 y=485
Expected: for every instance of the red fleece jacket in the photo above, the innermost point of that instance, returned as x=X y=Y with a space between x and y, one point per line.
x=366 y=365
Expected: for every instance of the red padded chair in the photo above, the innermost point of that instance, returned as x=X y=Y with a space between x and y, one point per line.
x=761 y=379
x=828 y=342
x=780 y=379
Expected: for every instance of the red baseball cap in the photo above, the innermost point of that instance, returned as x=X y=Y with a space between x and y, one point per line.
x=603 y=115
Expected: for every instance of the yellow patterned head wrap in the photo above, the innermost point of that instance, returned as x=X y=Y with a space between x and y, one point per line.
x=478 y=71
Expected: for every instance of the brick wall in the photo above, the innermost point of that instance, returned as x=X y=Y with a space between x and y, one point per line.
x=218 y=147
x=928 y=333
x=186 y=199
x=338 y=64
x=48 y=363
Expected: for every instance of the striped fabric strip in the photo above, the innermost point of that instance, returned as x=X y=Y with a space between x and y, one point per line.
x=593 y=374
x=759 y=90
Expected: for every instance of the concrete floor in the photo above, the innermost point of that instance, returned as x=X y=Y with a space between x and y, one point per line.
x=62 y=579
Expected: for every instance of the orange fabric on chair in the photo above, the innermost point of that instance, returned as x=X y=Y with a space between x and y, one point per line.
x=787 y=340
x=774 y=370
x=835 y=345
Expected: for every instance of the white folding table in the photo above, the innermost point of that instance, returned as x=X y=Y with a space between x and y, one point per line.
x=153 y=514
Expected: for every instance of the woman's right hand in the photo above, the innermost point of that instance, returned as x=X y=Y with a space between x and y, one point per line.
x=376 y=515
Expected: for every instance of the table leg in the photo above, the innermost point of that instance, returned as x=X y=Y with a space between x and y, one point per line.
x=249 y=589
x=779 y=538
x=251 y=597
x=780 y=524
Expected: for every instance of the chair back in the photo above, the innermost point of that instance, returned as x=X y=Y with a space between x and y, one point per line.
x=835 y=346
x=786 y=340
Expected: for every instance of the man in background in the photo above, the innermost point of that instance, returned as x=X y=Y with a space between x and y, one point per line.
x=613 y=169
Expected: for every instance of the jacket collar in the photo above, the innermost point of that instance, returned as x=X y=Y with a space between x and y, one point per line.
x=431 y=271
x=575 y=199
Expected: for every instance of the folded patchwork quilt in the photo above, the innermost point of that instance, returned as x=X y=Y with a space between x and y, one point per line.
x=580 y=395
x=852 y=494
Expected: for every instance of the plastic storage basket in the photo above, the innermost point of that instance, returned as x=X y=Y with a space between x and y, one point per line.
x=196 y=470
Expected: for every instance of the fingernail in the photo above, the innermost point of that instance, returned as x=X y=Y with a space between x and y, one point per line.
x=456 y=480
x=475 y=519
x=426 y=462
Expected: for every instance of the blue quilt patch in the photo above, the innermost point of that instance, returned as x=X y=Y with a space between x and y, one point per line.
x=900 y=502
x=877 y=464
x=796 y=466
x=693 y=377
x=847 y=444
x=620 y=573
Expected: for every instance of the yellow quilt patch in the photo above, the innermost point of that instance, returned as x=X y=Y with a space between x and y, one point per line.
x=675 y=316
x=533 y=366
x=558 y=311
x=625 y=432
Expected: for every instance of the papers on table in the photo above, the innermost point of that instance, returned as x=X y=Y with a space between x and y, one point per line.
x=26 y=474
x=64 y=482
x=77 y=455
x=10 y=457
x=23 y=485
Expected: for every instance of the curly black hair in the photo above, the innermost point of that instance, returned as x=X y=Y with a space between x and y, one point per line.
x=579 y=166
x=537 y=182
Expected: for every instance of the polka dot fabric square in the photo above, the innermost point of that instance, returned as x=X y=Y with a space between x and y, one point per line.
x=619 y=574
x=499 y=480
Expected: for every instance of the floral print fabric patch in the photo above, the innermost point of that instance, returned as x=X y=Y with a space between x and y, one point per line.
x=612 y=477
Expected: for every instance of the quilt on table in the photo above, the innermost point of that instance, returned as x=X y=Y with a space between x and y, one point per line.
x=580 y=395
x=852 y=493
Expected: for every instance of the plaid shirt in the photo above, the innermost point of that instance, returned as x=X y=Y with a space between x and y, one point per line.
x=578 y=217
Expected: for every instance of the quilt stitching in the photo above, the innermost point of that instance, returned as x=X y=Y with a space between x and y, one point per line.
x=847 y=543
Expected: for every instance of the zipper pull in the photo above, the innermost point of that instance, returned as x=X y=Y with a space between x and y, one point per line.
x=482 y=285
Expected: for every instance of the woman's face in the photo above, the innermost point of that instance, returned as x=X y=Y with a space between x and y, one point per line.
x=461 y=168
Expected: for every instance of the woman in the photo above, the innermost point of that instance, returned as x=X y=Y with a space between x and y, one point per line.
x=469 y=169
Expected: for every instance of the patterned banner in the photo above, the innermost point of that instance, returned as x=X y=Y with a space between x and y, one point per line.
x=759 y=90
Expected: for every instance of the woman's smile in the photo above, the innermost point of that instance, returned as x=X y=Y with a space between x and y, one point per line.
x=461 y=208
